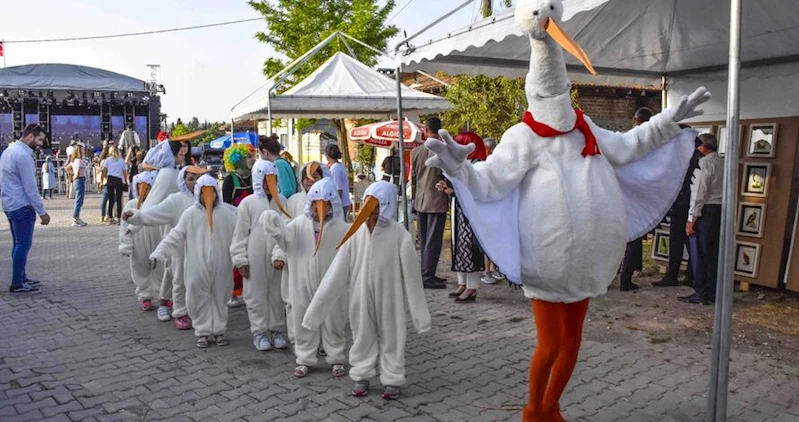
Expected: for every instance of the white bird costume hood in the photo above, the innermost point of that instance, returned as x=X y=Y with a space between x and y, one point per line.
x=380 y=194
x=296 y=203
x=324 y=199
x=160 y=156
x=198 y=171
x=207 y=196
x=142 y=184
x=264 y=181
x=578 y=190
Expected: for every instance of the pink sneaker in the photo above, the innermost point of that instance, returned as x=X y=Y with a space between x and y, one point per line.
x=183 y=323
x=170 y=304
x=147 y=305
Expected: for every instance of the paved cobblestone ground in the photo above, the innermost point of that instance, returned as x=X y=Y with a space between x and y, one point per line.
x=83 y=350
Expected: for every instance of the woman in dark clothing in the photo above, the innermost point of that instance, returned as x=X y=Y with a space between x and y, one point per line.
x=468 y=258
x=132 y=160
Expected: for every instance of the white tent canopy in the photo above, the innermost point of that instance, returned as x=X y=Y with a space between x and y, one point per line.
x=342 y=87
x=643 y=39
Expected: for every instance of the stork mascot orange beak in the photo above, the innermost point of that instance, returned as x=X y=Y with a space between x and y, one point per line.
x=322 y=208
x=197 y=171
x=567 y=42
x=370 y=204
x=313 y=166
x=208 y=196
x=270 y=180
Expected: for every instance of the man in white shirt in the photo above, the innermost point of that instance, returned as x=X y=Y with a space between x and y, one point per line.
x=128 y=139
x=704 y=221
x=21 y=203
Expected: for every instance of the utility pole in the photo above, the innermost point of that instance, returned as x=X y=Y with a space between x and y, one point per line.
x=487 y=8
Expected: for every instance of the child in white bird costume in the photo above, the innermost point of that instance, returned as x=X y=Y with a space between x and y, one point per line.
x=165 y=157
x=571 y=195
x=205 y=231
x=138 y=242
x=167 y=213
x=251 y=252
x=309 y=244
x=377 y=266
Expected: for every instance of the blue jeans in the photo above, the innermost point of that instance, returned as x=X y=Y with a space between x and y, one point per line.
x=104 y=202
x=80 y=190
x=21 y=222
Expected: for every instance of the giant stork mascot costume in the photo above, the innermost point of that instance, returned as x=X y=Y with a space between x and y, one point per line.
x=571 y=194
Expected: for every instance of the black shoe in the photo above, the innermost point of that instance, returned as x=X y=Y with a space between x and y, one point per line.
x=687 y=282
x=430 y=284
x=630 y=287
x=694 y=299
x=456 y=293
x=32 y=283
x=471 y=298
x=439 y=279
x=666 y=282
x=24 y=289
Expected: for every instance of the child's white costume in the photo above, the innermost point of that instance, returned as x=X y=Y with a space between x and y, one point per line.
x=168 y=213
x=162 y=158
x=138 y=242
x=310 y=246
x=251 y=247
x=571 y=195
x=205 y=231
x=380 y=272
x=296 y=208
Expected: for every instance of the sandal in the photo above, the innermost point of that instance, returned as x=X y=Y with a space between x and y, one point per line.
x=339 y=370
x=301 y=370
x=391 y=393
x=361 y=388
x=202 y=342
x=458 y=292
x=221 y=340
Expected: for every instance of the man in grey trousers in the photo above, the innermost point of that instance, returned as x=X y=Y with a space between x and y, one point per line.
x=431 y=207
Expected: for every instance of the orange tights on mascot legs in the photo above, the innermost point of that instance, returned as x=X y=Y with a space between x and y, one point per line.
x=560 y=329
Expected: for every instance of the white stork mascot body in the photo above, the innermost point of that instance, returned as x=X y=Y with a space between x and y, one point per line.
x=570 y=195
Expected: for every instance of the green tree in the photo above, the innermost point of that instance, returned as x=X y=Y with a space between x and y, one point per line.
x=194 y=124
x=180 y=130
x=296 y=26
x=489 y=105
x=214 y=131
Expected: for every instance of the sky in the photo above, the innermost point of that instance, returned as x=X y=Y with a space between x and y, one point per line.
x=205 y=71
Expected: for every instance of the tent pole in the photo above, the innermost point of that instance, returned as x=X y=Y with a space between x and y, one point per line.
x=720 y=357
x=403 y=188
x=434 y=23
x=268 y=113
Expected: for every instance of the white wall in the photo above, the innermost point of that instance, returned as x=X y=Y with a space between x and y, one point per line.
x=766 y=92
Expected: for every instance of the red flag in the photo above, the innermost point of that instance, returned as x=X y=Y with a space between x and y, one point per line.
x=1 y=49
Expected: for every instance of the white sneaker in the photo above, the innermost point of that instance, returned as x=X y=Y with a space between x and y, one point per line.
x=489 y=279
x=163 y=314
x=498 y=276
x=279 y=341
x=79 y=223
x=261 y=342
x=235 y=302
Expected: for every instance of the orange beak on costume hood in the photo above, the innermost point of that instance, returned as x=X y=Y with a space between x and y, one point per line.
x=322 y=208
x=369 y=205
x=197 y=171
x=270 y=180
x=144 y=189
x=568 y=43
x=313 y=166
x=208 y=196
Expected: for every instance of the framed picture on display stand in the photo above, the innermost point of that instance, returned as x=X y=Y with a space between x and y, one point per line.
x=703 y=129
x=755 y=179
x=660 y=245
x=747 y=259
x=722 y=138
x=751 y=219
x=762 y=140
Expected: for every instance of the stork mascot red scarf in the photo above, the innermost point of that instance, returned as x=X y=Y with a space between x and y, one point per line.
x=571 y=195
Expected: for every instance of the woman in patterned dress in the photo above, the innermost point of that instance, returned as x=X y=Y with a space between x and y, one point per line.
x=468 y=258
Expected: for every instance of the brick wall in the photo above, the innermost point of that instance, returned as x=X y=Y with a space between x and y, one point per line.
x=613 y=108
